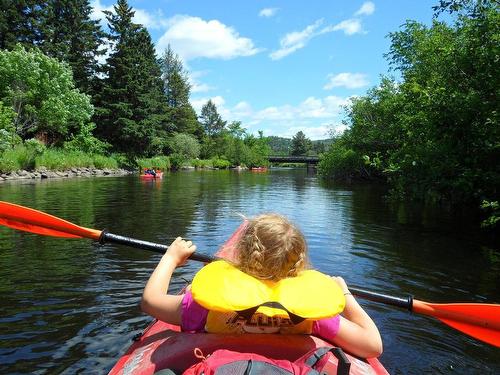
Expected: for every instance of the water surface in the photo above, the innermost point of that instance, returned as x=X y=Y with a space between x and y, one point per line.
x=71 y=306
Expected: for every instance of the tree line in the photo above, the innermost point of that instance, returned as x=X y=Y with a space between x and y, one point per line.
x=55 y=87
x=433 y=134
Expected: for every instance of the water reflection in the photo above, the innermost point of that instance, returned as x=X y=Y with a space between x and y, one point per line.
x=71 y=306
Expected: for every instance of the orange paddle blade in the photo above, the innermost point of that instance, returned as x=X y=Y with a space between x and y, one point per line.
x=30 y=220
x=479 y=320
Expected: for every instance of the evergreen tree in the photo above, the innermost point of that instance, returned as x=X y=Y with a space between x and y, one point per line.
x=177 y=90
x=21 y=21
x=133 y=109
x=300 y=144
x=211 y=120
x=74 y=37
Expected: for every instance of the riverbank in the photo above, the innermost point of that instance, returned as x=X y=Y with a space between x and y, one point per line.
x=44 y=173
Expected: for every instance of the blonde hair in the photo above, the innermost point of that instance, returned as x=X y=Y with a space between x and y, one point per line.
x=271 y=248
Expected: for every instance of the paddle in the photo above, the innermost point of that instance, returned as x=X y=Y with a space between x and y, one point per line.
x=30 y=220
x=479 y=320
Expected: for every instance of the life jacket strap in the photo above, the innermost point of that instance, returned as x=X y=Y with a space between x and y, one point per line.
x=248 y=313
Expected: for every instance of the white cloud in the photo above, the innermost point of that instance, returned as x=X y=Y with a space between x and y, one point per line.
x=295 y=40
x=97 y=10
x=366 y=9
x=193 y=37
x=268 y=12
x=313 y=116
x=348 y=80
x=349 y=27
x=196 y=85
x=143 y=17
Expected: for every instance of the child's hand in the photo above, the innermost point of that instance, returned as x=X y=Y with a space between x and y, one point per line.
x=180 y=250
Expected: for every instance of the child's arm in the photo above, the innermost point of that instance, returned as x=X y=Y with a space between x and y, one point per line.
x=155 y=300
x=357 y=333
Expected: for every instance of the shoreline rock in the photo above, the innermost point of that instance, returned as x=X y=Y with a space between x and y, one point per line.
x=44 y=173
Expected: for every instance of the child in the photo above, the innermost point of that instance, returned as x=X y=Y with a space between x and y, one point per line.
x=269 y=249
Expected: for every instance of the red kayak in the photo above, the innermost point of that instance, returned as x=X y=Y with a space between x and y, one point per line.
x=152 y=177
x=163 y=346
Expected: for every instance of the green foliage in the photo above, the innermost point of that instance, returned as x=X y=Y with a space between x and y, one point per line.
x=124 y=161
x=33 y=154
x=492 y=210
x=259 y=151
x=160 y=162
x=19 y=157
x=343 y=163
x=86 y=142
x=60 y=159
x=434 y=135
x=22 y=22
x=186 y=146
x=201 y=163
x=280 y=145
x=220 y=163
x=211 y=120
x=183 y=118
x=132 y=108
x=41 y=91
x=8 y=136
x=300 y=144
x=72 y=36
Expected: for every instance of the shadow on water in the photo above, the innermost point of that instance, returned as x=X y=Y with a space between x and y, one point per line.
x=71 y=306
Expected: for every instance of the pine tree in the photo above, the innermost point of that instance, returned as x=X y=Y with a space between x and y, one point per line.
x=211 y=120
x=21 y=21
x=72 y=36
x=177 y=91
x=300 y=144
x=132 y=107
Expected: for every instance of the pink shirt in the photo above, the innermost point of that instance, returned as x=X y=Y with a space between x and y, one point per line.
x=194 y=318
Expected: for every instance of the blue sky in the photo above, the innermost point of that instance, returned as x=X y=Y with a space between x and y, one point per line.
x=278 y=66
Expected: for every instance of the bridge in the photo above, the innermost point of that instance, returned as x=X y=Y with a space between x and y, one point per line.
x=309 y=160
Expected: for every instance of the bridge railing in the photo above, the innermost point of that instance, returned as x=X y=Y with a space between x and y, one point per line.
x=294 y=159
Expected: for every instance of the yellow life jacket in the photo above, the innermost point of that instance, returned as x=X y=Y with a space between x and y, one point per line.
x=239 y=303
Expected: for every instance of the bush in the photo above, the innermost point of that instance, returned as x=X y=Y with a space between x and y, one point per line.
x=220 y=163
x=42 y=91
x=186 y=146
x=342 y=163
x=177 y=160
x=86 y=142
x=8 y=136
x=201 y=163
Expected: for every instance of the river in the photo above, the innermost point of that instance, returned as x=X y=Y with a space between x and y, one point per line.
x=71 y=306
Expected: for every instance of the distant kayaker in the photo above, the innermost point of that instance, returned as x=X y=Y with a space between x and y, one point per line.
x=269 y=261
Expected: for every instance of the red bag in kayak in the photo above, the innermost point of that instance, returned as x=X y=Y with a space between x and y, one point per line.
x=228 y=362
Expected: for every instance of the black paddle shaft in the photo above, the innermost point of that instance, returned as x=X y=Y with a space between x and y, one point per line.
x=156 y=247
x=403 y=302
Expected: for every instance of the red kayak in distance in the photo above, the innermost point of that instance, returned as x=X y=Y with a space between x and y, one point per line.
x=163 y=346
x=150 y=176
x=258 y=169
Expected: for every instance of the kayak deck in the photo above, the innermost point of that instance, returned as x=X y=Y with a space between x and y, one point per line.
x=163 y=346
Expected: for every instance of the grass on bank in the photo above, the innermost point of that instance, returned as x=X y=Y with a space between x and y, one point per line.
x=23 y=157
x=26 y=158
